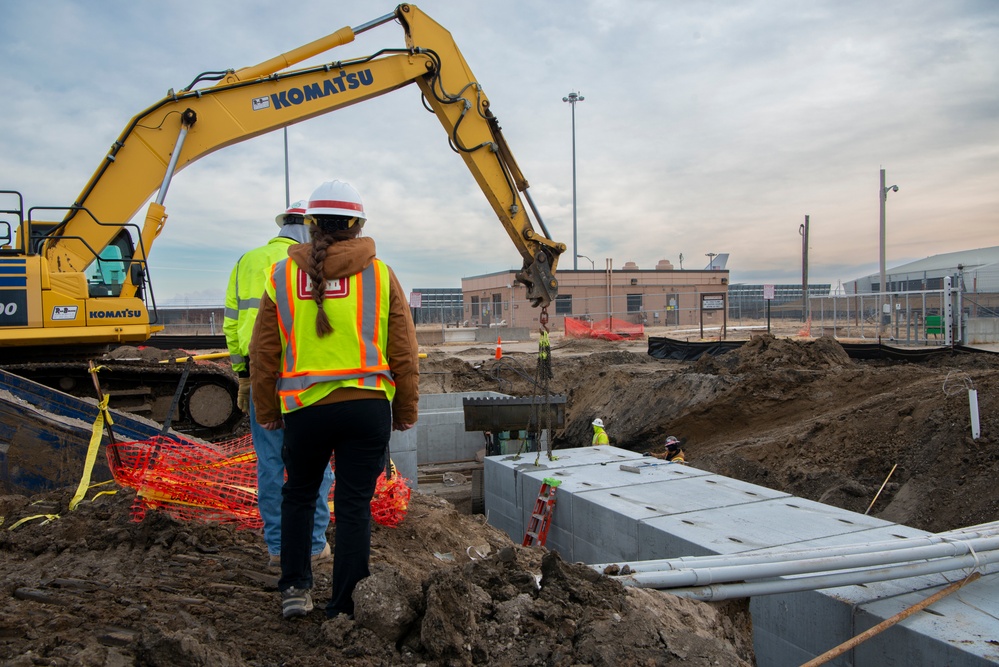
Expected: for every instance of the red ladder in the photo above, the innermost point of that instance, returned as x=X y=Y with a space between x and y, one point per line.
x=541 y=517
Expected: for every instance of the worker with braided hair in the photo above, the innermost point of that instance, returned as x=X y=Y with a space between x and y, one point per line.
x=334 y=360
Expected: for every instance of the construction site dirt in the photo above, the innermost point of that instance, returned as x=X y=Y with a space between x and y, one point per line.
x=92 y=587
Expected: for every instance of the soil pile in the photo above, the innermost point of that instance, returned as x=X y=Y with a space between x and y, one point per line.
x=94 y=588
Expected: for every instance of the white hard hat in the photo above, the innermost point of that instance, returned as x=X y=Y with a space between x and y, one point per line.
x=296 y=208
x=598 y=422
x=336 y=198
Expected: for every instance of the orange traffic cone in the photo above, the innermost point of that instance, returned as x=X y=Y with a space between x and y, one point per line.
x=499 y=348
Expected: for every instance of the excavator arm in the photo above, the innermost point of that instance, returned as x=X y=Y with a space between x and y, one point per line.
x=186 y=125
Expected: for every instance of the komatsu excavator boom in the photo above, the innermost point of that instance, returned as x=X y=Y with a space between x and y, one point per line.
x=84 y=280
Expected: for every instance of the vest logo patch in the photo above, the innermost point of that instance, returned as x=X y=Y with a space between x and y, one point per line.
x=337 y=288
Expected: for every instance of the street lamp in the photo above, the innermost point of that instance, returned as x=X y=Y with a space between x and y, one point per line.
x=572 y=98
x=711 y=259
x=883 y=196
x=592 y=265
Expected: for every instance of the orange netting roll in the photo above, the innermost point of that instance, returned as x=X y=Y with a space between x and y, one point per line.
x=217 y=482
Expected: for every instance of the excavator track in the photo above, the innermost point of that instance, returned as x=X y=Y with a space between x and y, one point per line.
x=206 y=407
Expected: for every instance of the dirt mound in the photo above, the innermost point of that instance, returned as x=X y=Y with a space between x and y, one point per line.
x=766 y=353
x=94 y=588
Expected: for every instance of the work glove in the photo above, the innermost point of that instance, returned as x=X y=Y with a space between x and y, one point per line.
x=243 y=397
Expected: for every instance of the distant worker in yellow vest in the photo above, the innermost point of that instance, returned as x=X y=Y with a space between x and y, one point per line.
x=242 y=299
x=334 y=359
x=599 y=434
x=673 y=452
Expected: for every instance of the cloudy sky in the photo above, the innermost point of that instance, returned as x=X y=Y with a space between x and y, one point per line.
x=706 y=127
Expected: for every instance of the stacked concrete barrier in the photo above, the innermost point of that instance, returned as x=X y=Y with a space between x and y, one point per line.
x=605 y=511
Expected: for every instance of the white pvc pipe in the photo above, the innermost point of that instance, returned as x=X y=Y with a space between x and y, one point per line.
x=976 y=427
x=710 y=575
x=796 y=584
x=682 y=563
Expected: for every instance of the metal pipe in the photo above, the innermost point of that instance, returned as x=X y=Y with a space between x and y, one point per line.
x=984 y=530
x=721 y=574
x=797 y=584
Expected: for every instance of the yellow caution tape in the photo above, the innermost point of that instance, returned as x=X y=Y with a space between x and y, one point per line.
x=103 y=493
x=95 y=444
x=47 y=517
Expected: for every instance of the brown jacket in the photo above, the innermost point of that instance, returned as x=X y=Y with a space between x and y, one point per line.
x=343 y=259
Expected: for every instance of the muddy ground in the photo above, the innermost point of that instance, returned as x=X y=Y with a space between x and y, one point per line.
x=94 y=588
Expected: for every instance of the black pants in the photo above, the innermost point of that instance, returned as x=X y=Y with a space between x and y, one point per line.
x=357 y=433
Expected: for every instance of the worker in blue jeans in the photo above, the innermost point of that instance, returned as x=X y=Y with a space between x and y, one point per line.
x=242 y=301
x=270 y=479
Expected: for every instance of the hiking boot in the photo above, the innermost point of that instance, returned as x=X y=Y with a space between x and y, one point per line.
x=295 y=602
x=274 y=562
x=324 y=556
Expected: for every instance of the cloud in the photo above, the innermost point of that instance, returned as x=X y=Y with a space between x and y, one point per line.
x=706 y=127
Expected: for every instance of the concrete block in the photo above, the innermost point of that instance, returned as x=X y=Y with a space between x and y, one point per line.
x=780 y=653
x=603 y=513
x=402 y=449
x=770 y=522
x=960 y=629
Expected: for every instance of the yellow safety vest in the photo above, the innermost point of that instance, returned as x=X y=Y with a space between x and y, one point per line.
x=356 y=353
x=242 y=297
x=600 y=436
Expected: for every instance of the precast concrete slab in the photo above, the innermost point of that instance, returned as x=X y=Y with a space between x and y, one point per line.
x=819 y=620
x=964 y=620
x=606 y=514
x=504 y=486
x=441 y=434
x=964 y=623
x=608 y=524
x=793 y=628
x=402 y=448
x=774 y=521
x=575 y=480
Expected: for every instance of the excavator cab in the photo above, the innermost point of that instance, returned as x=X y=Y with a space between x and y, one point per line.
x=106 y=276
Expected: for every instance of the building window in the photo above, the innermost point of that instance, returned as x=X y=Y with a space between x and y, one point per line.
x=475 y=306
x=634 y=303
x=563 y=304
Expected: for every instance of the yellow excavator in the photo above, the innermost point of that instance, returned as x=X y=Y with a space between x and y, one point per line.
x=82 y=284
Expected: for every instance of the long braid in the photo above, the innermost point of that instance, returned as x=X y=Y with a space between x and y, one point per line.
x=325 y=234
x=320 y=242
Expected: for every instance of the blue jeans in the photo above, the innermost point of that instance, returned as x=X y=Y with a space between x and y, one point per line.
x=357 y=432
x=270 y=479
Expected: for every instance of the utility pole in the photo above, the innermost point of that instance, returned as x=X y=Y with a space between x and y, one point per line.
x=883 y=196
x=805 y=310
x=572 y=98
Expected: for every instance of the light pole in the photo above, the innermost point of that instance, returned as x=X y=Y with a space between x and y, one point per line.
x=803 y=230
x=592 y=265
x=883 y=196
x=711 y=260
x=572 y=98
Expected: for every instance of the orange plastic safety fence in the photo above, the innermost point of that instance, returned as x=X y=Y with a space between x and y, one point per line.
x=607 y=329
x=216 y=482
